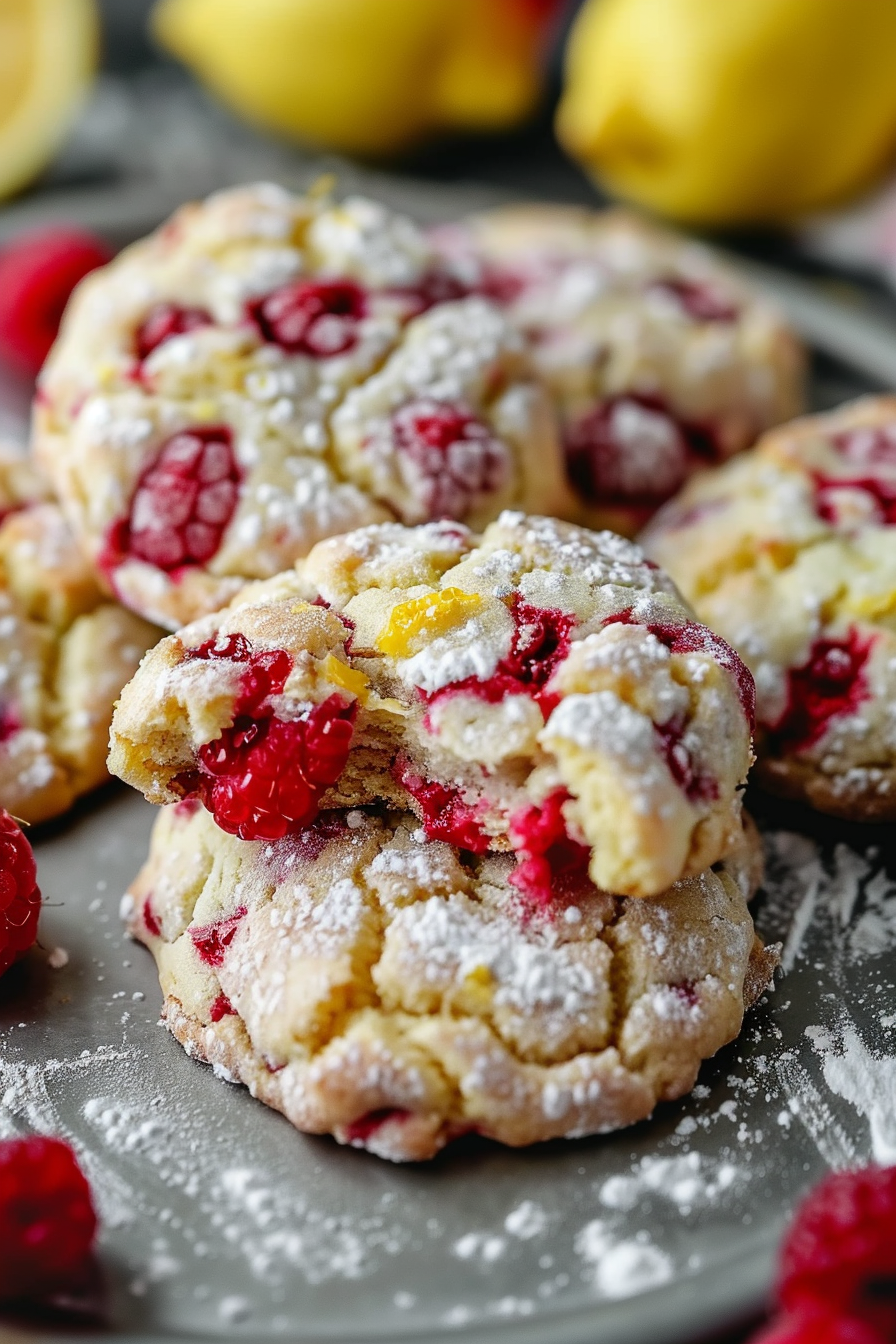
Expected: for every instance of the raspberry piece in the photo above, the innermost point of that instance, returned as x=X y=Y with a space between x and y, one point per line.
x=9 y=722
x=165 y=320
x=699 y=300
x=311 y=317
x=263 y=777
x=629 y=449
x=47 y=1221
x=839 y=1256
x=550 y=864
x=360 y=1130
x=221 y=1007
x=880 y=497
x=698 y=787
x=151 y=919
x=19 y=894
x=182 y=505
x=449 y=459
x=540 y=642
x=37 y=275
x=436 y=286
x=211 y=941
x=868 y=446
x=829 y=685
x=445 y=815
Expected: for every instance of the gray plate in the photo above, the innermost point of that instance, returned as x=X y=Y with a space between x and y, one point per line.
x=220 y=1220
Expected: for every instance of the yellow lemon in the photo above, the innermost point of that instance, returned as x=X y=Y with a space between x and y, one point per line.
x=731 y=111
x=362 y=76
x=48 y=52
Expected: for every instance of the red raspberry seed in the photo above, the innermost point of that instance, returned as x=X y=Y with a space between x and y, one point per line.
x=37 y=275
x=839 y=1257
x=449 y=458
x=162 y=322
x=182 y=505
x=319 y=318
x=19 y=894
x=47 y=1220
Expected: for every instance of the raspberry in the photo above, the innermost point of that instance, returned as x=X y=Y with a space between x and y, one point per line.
x=628 y=449
x=449 y=458
x=360 y=1130
x=445 y=815
x=869 y=446
x=9 y=722
x=830 y=684
x=696 y=786
x=700 y=301
x=812 y=1328
x=182 y=505
x=540 y=642
x=211 y=941
x=263 y=777
x=37 y=275
x=311 y=317
x=221 y=1007
x=434 y=287
x=165 y=320
x=552 y=864
x=880 y=496
x=19 y=894
x=839 y=1256
x=47 y=1221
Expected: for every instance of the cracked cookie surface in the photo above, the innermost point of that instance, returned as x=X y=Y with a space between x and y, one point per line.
x=267 y=370
x=387 y=989
x=539 y=688
x=65 y=653
x=790 y=553
x=659 y=358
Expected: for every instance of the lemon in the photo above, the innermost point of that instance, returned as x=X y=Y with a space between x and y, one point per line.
x=361 y=76
x=48 y=52
x=732 y=111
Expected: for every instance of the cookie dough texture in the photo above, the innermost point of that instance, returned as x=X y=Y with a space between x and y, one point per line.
x=789 y=552
x=647 y=341
x=381 y=988
x=65 y=653
x=536 y=666
x=313 y=343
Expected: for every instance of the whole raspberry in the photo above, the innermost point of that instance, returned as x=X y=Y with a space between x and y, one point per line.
x=449 y=459
x=182 y=505
x=839 y=1257
x=47 y=1220
x=37 y=275
x=628 y=448
x=19 y=894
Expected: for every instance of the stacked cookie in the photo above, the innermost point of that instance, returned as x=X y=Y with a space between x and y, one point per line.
x=453 y=837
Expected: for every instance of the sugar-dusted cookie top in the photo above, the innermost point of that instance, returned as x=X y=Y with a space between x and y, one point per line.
x=395 y=992
x=790 y=553
x=540 y=688
x=65 y=653
x=267 y=370
x=659 y=358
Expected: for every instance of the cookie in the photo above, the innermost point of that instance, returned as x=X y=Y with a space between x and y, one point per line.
x=539 y=688
x=387 y=989
x=659 y=358
x=267 y=370
x=65 y=653
x=790 y=553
